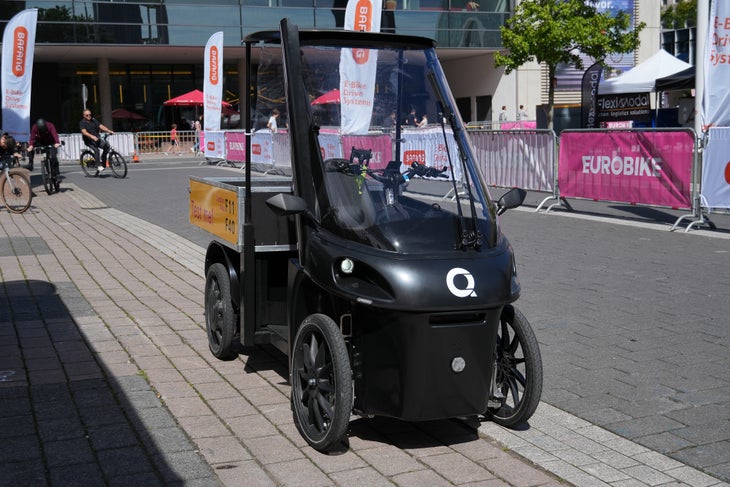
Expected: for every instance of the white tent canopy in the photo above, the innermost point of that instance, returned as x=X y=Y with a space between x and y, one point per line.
x=641 y=78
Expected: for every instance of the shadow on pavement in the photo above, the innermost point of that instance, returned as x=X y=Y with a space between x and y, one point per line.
x=64 y=418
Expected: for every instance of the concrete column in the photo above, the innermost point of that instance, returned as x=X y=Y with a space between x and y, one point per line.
x=105 y=93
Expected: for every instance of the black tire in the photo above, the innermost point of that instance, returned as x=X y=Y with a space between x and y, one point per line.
x=46 y=177
x=220 y=318
x=118 y=165
x=321 y=383
x=518 y=383
x=16 y=192
x=88 y=164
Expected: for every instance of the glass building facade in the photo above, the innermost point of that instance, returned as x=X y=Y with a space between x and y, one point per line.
x=140 y=53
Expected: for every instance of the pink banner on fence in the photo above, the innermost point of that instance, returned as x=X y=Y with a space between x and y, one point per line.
x=519 y=125
x=652 y=168
x=236 y=146
x=379 y=144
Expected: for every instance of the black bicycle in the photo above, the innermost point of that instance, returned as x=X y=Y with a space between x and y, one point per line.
x=49 y=174
x=115 y=160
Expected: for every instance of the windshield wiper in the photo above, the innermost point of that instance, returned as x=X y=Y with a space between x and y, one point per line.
x=467 y=238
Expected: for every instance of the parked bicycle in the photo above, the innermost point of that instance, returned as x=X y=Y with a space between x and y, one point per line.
x=116 y=161
x=15 y=188
x=49 y=174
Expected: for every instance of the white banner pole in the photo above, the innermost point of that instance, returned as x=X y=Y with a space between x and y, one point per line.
x=213 y=84
x=17 y=73
x=358 y=68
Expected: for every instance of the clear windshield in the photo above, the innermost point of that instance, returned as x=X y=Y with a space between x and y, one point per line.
x=397 y=164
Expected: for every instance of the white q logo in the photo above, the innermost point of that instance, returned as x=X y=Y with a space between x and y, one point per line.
x=460 y=293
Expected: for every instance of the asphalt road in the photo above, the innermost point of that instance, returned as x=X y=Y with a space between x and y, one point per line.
x=631 y=318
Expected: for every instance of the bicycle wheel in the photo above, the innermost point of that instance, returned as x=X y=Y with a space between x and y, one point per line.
x=118 y=165
x=88 y=163
x=46 y=176
x=16 y=192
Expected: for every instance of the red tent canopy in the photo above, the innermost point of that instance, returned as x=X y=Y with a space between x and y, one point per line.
x=329 y=97
x=193 y=98
x=124 y=114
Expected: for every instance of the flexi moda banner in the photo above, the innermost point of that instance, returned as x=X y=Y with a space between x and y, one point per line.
x=213 y=84
x=623 y=106
x=17 y=73
x=716 y=100
x=358 y=68
x=651 y=168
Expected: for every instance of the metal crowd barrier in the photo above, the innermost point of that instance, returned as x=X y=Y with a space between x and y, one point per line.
x=73 y=145
x=516 y=158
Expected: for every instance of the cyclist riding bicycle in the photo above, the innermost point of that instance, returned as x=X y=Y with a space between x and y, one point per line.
x=44 y=133
x=91 y=129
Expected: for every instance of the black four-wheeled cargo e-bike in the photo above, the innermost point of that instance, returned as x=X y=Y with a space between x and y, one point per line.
x=376 y=262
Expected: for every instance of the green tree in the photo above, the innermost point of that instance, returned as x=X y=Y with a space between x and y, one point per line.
x=680 y=15
x=558 y=31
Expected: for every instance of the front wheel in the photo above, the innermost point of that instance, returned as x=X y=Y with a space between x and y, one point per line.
x=118 y=165
x=46 y=176
x=16 y=192
x=88 y=164
x=321 y=383
x=517 y=379
x=220 y=319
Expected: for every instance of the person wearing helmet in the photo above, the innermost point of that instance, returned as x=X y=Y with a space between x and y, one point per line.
x=43 y=133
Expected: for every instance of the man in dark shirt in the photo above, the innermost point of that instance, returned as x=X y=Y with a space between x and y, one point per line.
x=91 y=129
x=44 y=133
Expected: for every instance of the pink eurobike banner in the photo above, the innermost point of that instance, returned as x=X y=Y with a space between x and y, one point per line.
x=642 y=167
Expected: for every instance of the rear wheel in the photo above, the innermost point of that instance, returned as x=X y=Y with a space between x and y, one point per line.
x=517 y=384
x=220 y=319
x=88 y=163
x=321 y=383
x=46 y=176
x=118 y=165
x=16 y=192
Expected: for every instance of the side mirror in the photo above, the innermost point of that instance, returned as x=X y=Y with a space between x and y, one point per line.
x=286 y=204
x=511 y=199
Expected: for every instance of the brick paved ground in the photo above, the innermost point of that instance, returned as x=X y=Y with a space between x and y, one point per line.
x=106 y=378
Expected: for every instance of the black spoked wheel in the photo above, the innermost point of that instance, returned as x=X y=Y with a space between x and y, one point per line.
x=321 y=383
x=118 y=165
x=88 y=163
x=220 y=319
x=46 y=176
x=16 y=192
x=517 y=386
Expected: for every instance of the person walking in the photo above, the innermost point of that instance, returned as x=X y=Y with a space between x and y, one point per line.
x=197 y=127
x=503 y=117
x=522 y=113
x=174 y=143
x=91 y=130
x=44 y=133
x=271 y=124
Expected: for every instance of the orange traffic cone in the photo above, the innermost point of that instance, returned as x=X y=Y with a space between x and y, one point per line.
x=135 y=157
